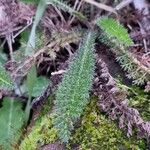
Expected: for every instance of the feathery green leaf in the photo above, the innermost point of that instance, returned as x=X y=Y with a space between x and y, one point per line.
x=115 y=31
x=116 y=36
x=73 y=92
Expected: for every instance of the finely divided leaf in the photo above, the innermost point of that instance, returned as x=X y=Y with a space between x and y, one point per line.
x=117 y=37
x=73 y=92
x=115 y=31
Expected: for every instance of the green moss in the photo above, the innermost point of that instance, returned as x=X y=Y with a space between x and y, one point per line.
x=141 y=101
x=47 y=107
x=42 y=133
x=137 y=99
x=94 y=132
x=99 y=133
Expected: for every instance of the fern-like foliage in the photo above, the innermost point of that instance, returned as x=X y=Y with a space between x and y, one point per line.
x=116 y=36
x=115 y=31
x=62 y=40
x=11 y=121
x=5 y=79
x=73 y=92
x=59 y=39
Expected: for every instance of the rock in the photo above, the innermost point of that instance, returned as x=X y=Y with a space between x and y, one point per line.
x=54 y=146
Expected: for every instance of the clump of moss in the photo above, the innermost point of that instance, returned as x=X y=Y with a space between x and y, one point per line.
x=140 y=100
x=94 y=132
x=98 y=132
x=42 y=133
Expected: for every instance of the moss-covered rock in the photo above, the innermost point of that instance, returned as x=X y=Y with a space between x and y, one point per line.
x=42 y=133
x=94 y=132
x=99 y=133
x=140 y=100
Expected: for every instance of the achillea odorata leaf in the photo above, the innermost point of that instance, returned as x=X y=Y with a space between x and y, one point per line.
x=117 y=37
x=115 y=31
x=73 y=92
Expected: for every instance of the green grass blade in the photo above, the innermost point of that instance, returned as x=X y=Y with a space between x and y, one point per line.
x=32 y=38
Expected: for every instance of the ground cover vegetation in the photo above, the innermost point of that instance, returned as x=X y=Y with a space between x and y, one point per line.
x=74 y=75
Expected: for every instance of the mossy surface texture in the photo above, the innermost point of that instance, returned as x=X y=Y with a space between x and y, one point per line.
x=99 y=133
x=141 y=101
x=42 y=133
x=94 y=132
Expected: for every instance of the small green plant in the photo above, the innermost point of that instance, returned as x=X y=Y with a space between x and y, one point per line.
x=114 y=31
x=73 y=92
x=117 y=37
x=12 y=120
